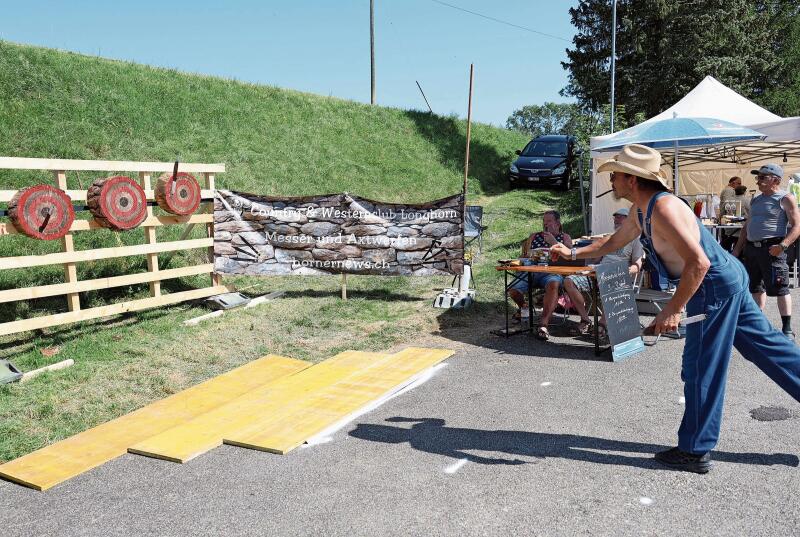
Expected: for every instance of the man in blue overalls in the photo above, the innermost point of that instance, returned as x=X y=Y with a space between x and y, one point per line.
x=710 y=281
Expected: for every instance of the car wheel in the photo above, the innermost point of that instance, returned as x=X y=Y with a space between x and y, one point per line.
x=511 y=185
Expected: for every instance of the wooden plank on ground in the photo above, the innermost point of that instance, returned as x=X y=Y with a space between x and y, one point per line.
x=56 y=463
x=193 y=438
x=281 y=432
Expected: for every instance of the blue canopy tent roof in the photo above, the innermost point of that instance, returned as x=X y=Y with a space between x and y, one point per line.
x=680 y=132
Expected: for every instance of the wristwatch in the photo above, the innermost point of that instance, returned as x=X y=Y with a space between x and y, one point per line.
x=574 y=253
x=783 y=246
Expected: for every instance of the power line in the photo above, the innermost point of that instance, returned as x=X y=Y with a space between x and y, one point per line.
x=502 y=21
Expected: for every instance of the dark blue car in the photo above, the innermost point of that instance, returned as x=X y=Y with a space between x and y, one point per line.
x=546 y=160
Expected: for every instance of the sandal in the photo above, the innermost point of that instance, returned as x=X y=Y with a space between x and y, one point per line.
x=584 y=327
x=542 y=333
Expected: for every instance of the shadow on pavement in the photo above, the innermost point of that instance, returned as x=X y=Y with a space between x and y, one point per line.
x=432 y=436
x=479 y=326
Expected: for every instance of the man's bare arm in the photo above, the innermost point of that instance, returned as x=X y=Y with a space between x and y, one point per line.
x=789 y=204
x=626 y=233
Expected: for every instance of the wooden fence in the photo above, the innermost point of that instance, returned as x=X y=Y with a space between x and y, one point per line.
x=69 y=257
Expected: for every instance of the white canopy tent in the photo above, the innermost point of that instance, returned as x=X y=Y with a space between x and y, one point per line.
x=707 y=169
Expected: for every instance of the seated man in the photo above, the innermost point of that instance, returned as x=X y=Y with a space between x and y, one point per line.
x=552 y=233
x=576 y=285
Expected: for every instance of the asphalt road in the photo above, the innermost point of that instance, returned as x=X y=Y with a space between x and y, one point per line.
x=513 y=437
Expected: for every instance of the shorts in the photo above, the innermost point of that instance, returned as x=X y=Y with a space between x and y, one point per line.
x=765 y=271
x=581 y=282
x=540 y=280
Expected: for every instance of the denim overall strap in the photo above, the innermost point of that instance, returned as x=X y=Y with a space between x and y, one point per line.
x=647 y=241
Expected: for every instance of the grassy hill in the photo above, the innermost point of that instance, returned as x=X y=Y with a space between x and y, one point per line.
x=273 y=141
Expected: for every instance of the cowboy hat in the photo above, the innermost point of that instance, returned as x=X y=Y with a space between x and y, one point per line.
x=638 y=160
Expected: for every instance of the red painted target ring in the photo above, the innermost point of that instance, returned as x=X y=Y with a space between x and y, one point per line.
x=117 y=202
x=42 y=212
x=178 y=194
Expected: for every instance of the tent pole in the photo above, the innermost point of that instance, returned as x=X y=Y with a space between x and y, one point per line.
x=676 y=184
x=583 y=202
x=676 y=181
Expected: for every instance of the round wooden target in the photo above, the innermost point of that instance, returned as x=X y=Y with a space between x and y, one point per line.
x=117 y=202
x=178 y=194
x=42 y=212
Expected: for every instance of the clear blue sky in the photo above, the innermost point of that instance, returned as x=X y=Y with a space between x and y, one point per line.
x=322 y=46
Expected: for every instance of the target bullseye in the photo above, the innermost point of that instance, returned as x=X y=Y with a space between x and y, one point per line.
x=42 y=212
x=117 y=202
x=178 y=194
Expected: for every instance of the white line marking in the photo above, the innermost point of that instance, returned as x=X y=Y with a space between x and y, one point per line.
x=545 y=384
x=645 y=501
x=453 y=468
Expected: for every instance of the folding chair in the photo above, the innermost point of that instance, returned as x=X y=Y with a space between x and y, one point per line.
x=473 y=226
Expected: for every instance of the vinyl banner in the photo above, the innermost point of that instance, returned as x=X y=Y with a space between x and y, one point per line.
x=336 y=234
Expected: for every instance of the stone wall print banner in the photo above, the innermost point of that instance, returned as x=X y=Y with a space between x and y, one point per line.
x=335 y=234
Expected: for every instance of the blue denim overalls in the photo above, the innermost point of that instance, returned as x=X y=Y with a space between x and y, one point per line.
x=732 y=319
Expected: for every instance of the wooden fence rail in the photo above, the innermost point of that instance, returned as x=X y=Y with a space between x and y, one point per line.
x=69 y=257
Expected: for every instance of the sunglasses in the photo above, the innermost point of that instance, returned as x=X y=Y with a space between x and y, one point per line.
x=763 y=177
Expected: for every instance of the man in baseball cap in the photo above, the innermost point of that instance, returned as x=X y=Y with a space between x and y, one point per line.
x=709 y=281
x=771 y=228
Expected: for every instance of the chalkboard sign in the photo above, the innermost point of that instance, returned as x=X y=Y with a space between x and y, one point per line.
x=619 y=304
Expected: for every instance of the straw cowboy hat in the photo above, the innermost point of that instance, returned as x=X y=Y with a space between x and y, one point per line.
x=638 y=160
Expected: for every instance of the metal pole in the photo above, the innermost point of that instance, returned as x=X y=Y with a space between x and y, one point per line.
x=583 y=202
x=423 y=96
x=675 y=181
x=372 y=49
x=613 y=56
x=469 y=127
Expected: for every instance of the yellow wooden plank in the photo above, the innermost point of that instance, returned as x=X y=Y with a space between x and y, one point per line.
x=284 y=431
x=195 y=437
x=58 y=462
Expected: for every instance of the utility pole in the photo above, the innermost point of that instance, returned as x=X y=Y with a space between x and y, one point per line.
x=613 y=55
x=372 y=49
x=469 y=129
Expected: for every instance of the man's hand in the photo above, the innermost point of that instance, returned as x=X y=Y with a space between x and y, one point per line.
x=664 y=322
x=559 y=249
x=775 y=250
x=549 y=238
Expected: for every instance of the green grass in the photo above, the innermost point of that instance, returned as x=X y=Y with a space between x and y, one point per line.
x=273 y=141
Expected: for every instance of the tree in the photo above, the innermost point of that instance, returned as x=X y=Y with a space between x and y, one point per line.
x=664 y=48
x=568 y=118
x=782 y=96
x=549 y=118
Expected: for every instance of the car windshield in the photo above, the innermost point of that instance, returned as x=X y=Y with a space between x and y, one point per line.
x=545 y=149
